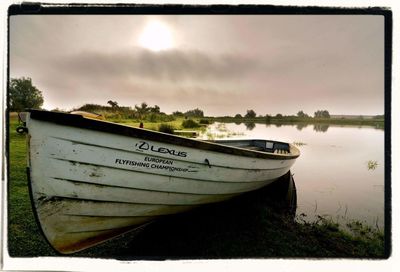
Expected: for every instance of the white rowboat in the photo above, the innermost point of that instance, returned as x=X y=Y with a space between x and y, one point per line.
x=92 y=180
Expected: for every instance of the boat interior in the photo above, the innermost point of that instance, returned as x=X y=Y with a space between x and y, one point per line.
x=258 y=145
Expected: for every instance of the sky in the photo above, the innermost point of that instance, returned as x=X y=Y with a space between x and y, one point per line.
x=222 y=64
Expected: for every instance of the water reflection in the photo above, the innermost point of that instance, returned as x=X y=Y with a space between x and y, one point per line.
x=321 y=127
x=219 y=131
x=250 y=125
x=281 y=195
x=300 y=126
x=340 y=172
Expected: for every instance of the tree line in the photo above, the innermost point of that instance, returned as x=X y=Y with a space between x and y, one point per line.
x=251 y=114
x=23 y=95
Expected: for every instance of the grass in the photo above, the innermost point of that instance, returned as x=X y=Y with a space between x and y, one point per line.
x=372 y=165
x=24 y=235
x=250 y=226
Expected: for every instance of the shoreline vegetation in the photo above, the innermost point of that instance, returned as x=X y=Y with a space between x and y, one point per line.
x=248 y=226
x=153 y=119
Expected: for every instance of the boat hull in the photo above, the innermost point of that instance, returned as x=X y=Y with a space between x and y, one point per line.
x=88 y=186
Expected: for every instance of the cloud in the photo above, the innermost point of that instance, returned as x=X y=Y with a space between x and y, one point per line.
x=268 y=63
x=163 y=78
x=174 y=65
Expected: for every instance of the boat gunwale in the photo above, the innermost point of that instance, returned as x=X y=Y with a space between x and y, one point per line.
x=79 y=121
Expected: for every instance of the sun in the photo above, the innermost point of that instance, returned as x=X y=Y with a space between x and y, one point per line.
x=156 y=36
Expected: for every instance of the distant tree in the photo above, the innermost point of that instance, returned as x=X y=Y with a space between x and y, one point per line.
x=378 y=117
x=142 y=110
x=279 y=116
x=155 y=109
x=301 y=114
x=322 y=114
x=23 y=95
x=177 y=113
x=267 y=118
x=92 y=108
x=250 y=114
x=194 y=113
x=152 y=117
x=58 y=110
x=238 y=115
x=113 y=104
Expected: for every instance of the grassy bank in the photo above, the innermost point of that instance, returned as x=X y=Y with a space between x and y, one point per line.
x=252 y=226
x=24 y=238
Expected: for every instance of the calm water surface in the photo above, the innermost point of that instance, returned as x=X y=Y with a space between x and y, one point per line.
x=339 y=174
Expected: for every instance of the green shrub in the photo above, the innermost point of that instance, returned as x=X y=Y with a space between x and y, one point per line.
x=190 y=124
x=152 y=117
x=166 y=118
x=204 y=122
x=166 y=128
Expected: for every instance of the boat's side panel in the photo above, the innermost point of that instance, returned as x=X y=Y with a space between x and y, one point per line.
x=76 y=121
x=91 y=138
x=89 y=186
x=159 y=165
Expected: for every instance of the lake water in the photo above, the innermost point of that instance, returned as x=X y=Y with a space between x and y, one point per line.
x=339 y=174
